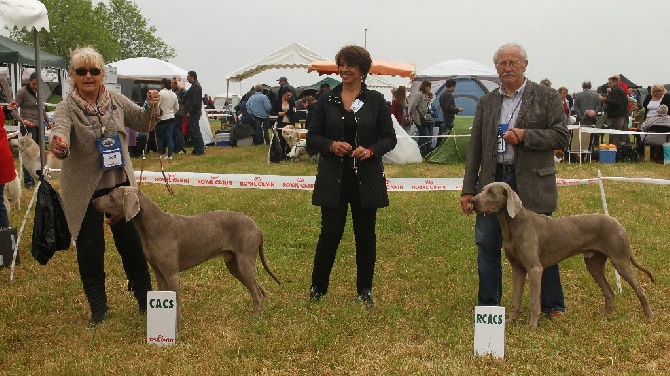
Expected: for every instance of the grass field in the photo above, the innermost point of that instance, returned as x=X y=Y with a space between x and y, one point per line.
x=424 y=290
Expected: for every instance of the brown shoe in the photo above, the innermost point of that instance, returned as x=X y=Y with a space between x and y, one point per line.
x=557 y=315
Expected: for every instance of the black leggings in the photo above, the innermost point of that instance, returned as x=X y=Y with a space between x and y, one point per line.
x=91 y=245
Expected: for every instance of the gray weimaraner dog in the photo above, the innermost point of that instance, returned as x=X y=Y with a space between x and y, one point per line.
x=534 y=241
x=173 y=243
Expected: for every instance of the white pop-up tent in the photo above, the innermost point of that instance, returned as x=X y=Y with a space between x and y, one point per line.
x=30 y=14
x=152 y=69
x=294 y=55
x=146 y=68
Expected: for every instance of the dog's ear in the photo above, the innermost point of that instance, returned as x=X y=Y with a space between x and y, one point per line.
x=131 y=203
x=514 y=204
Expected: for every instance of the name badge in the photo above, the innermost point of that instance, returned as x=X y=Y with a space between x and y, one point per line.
x=356 y=105
x=110 y=152
x=502 y=145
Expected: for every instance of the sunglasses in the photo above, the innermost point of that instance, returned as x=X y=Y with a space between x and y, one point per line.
x=83 y=71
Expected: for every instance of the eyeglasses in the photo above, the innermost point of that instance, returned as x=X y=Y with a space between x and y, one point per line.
x=83 y=71
x=511 y=64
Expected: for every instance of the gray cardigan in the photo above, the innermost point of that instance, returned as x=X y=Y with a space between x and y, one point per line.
x=82 y=169
x=541 y=115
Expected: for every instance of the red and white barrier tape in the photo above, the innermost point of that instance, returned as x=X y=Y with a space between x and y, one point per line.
x=307 y=182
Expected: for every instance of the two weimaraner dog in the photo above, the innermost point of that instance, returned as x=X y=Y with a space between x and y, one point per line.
x=173 y=243
x=534 y=241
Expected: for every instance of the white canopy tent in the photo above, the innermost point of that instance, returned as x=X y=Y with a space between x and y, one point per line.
x=30 y=14
x=151 y=69
x=294 y=55
x=146 y=68
x=373 y=81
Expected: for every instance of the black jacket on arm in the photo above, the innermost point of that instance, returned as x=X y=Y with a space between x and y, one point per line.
x=375 y=131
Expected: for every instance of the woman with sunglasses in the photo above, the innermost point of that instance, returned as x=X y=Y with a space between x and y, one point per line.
x=351 y=128
x=90 y=136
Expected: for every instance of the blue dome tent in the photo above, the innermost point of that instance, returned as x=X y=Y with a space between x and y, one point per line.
x=473 y=79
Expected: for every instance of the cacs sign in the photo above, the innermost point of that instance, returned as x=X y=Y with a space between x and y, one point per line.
x=490 y=331
x=161 y=318
x=161 y=303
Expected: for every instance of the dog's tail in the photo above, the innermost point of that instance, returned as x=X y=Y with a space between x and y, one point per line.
x=637 y=265
x=261 y=252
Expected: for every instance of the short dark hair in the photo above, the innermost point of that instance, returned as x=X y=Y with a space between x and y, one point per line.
x=356 y=56
x=166 y=83
x=450 y=82
x=33 y=76
x=193 y=74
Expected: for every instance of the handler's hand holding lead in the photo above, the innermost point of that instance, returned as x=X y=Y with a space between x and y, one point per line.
x=466 y=204
x=153 y=97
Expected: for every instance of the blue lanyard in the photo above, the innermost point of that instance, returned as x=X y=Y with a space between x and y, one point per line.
x=513 y=112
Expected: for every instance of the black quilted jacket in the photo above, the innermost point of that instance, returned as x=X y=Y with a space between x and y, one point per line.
x=375 y=131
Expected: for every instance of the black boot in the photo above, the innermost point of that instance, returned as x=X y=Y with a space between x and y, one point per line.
x=140 y=284
x=94 y=289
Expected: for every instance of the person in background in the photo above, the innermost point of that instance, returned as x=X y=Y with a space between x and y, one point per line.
x=352 y=129
x=657 y=96
x=177 y=134
x=193 y=111
x=448 y=107
x=655 y=141
x=309 y=102
x=563 y=93
x=7 y=171
x=284 y=110
x=165 y=127
x=514 y=144
x=323 y=89
x=586 y=104
x=243 y=116
x=399 y=106
x=617 y=110
x=259 y=107
x=26 y=98
x=283 y=82
x=89 y=129
x=419 y=112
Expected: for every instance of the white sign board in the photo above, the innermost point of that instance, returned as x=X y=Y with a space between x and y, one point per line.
x=490 y=331
x=161 y=318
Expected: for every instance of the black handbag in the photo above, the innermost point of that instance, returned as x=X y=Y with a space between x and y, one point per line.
x=275 y=155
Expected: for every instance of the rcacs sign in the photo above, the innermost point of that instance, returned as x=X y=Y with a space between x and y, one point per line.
x=490 y=331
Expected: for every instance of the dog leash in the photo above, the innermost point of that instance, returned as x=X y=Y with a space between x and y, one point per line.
x=160 y=159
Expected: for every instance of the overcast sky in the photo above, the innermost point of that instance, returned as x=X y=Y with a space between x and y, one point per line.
x=567 y=41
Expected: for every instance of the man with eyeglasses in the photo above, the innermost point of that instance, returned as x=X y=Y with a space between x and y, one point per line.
x=514 y=134
x=193 y=111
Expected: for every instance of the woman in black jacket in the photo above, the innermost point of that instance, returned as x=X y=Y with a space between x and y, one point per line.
x=351 y=128
x=284 y=109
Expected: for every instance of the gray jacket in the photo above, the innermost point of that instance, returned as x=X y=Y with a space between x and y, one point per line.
x=586 y=100
x=541 y=115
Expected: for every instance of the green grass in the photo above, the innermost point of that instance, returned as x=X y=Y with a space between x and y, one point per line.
x=424 y=289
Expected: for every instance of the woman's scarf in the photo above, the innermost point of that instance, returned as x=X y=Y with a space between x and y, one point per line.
x=101 y=105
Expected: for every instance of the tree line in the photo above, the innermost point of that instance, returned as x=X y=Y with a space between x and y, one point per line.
x=116 y=29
